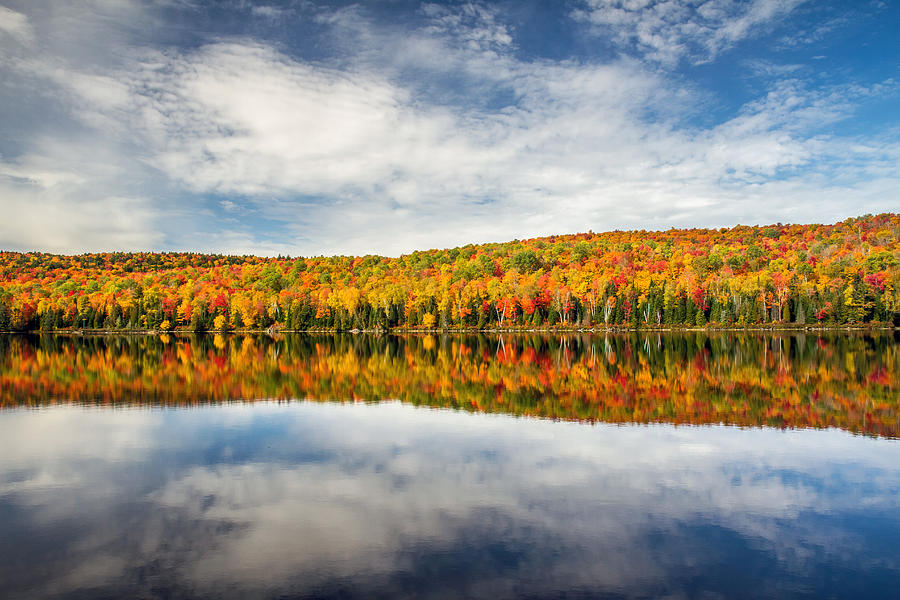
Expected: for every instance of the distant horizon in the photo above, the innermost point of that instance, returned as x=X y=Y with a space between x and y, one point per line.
x=329 y=127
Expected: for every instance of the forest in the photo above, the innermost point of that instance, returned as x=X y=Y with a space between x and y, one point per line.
x=846 y=273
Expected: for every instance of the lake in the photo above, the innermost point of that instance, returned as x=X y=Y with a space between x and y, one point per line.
x=679 y=465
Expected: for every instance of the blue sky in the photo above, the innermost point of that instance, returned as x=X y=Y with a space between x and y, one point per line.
x=309 y=128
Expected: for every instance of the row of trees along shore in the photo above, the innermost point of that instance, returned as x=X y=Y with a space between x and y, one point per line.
x=839 y=274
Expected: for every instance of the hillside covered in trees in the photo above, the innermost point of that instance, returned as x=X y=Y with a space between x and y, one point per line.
x=845 y=273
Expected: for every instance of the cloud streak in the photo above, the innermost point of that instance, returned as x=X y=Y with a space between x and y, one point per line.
x=15 y=25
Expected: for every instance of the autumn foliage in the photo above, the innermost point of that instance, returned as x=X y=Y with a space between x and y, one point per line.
x=845 y=273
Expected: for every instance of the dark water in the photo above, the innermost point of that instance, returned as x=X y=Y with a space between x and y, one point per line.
x=676 y=466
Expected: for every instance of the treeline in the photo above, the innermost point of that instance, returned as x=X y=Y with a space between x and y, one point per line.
x=845 y=273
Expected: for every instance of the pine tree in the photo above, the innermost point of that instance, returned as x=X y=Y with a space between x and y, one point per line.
x=553 y=316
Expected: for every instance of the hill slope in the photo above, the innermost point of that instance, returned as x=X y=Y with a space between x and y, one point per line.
x=848 y=272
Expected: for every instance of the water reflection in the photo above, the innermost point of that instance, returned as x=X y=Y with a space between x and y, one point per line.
x=387 y=500
x=787 y=380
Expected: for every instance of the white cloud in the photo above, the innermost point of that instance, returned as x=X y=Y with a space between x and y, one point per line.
x=16 y=25
x=64 y=204
x=239 y=118
x=670 y=30
x=269 y=12
x=473 y=24
x=243 y=119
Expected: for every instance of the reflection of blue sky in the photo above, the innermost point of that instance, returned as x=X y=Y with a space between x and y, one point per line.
x=372 y=499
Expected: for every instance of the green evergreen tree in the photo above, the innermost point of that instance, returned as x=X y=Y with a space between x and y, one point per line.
x=553 y=316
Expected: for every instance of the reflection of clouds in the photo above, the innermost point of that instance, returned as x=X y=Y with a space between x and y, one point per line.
x=72 y=431
x=51 y=459
x=331 y=521
x=235 y=498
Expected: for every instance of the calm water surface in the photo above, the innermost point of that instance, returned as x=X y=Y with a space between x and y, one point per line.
x=677 y=466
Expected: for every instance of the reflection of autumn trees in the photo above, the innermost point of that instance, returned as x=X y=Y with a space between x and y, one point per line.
x=766 y=380
x=844 y=273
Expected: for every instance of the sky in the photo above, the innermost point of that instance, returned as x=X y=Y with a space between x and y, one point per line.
x=318 y=128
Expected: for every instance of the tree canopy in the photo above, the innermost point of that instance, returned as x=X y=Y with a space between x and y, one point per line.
x=843 y=273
